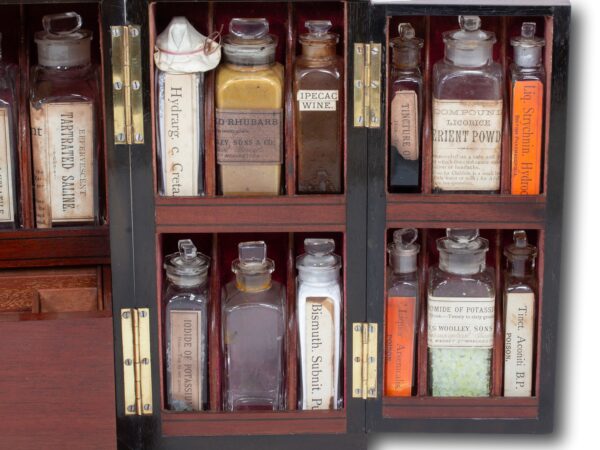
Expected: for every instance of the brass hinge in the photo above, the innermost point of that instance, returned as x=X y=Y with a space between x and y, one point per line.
x=126 y=60
x=364 y=360
x=367 y=85
x=137 y=363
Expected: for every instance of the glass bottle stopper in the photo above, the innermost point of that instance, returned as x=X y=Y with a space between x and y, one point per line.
x=254 y=252
x=62 y=18
x=520 y=238
x=319 y=247
x=469 y=23
x=405 y=237
x=462 y=235
x=527 y=47
x=406 y=31
x=318 y=28
x=249 y=28
x=187 y=249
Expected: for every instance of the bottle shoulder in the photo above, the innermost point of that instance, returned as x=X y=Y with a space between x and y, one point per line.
x=446 y=284
x=234 y=299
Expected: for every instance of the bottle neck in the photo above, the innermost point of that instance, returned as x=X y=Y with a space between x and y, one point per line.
x=186 y=282
x=474 y=57
x=520 y=267
x=253 y=282
x=319 y=277
x=461 y=263
x=318 y=52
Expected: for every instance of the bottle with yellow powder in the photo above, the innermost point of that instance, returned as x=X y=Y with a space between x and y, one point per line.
x=249 y=111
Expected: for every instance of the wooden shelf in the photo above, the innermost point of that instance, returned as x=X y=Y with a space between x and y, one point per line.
x=480 y=211
x=460 y=408
x=256 y=214
x=54 y=247
x=253 y=423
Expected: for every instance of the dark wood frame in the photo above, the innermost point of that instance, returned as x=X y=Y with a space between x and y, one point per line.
x=364 y=215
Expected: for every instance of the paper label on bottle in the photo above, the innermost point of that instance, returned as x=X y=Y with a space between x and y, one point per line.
x=454 y=322
x=399 y=345
x=527 y=122
x=319 y=357
x=467 y=137
x=62 y=139
x=405 y=124
x=317 y=99
x=181 y=134
x=250 y=136
x=7 y=207
x=187 y=377
x=518 y=344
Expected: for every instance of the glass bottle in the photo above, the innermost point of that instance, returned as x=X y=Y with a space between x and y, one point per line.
x=249 y=111
x=182 y=56
x=64 y=110
x=319 y=312
x=406 y=110
x=318 y=84
x=527 y=111
x=467 y=112
x=186 y=324
x=9 y=161
x=520 y=289
x=401 y=314
x=253 y=334
x=460 y=317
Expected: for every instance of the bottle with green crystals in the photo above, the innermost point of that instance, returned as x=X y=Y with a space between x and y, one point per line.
x=460 y=317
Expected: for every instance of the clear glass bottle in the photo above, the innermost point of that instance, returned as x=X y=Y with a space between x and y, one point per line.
x=249 y=111
x=460 y=317
x=406 y=110
x=9 y=162
x=520 y=287
x=253 y=334
x=186 y=328
x=467 y=112
x=527 y=77
x=401 y=314
x=182 y=55
x=319 y=311
x=318 y=85
x=64 y=111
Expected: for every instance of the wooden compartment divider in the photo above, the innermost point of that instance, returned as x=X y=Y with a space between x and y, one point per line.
x=292 y=327
x=498 y=352
x=214 y=340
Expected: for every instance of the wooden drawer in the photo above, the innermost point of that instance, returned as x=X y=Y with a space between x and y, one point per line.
x=57 y=388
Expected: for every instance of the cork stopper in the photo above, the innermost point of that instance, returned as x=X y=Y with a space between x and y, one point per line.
x=63 y=43
x=527 y=48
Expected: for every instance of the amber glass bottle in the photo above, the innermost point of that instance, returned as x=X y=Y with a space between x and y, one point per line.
x=249 y=116
x=318 y=87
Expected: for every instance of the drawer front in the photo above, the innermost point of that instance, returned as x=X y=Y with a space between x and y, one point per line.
x=57 y=384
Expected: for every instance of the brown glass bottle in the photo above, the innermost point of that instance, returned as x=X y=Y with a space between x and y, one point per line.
x=317 y=92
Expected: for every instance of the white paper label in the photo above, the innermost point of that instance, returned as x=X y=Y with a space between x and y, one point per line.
x=404 y=124
x=460 y=322
x=317 y=100
x=181 y=134
x=467 y=137
x=518 y=344
x=320 y=353
x=62 y=138
x=187 y=376
x=6 y=169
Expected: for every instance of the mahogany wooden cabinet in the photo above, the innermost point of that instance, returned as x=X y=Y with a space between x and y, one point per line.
x=72 y=378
